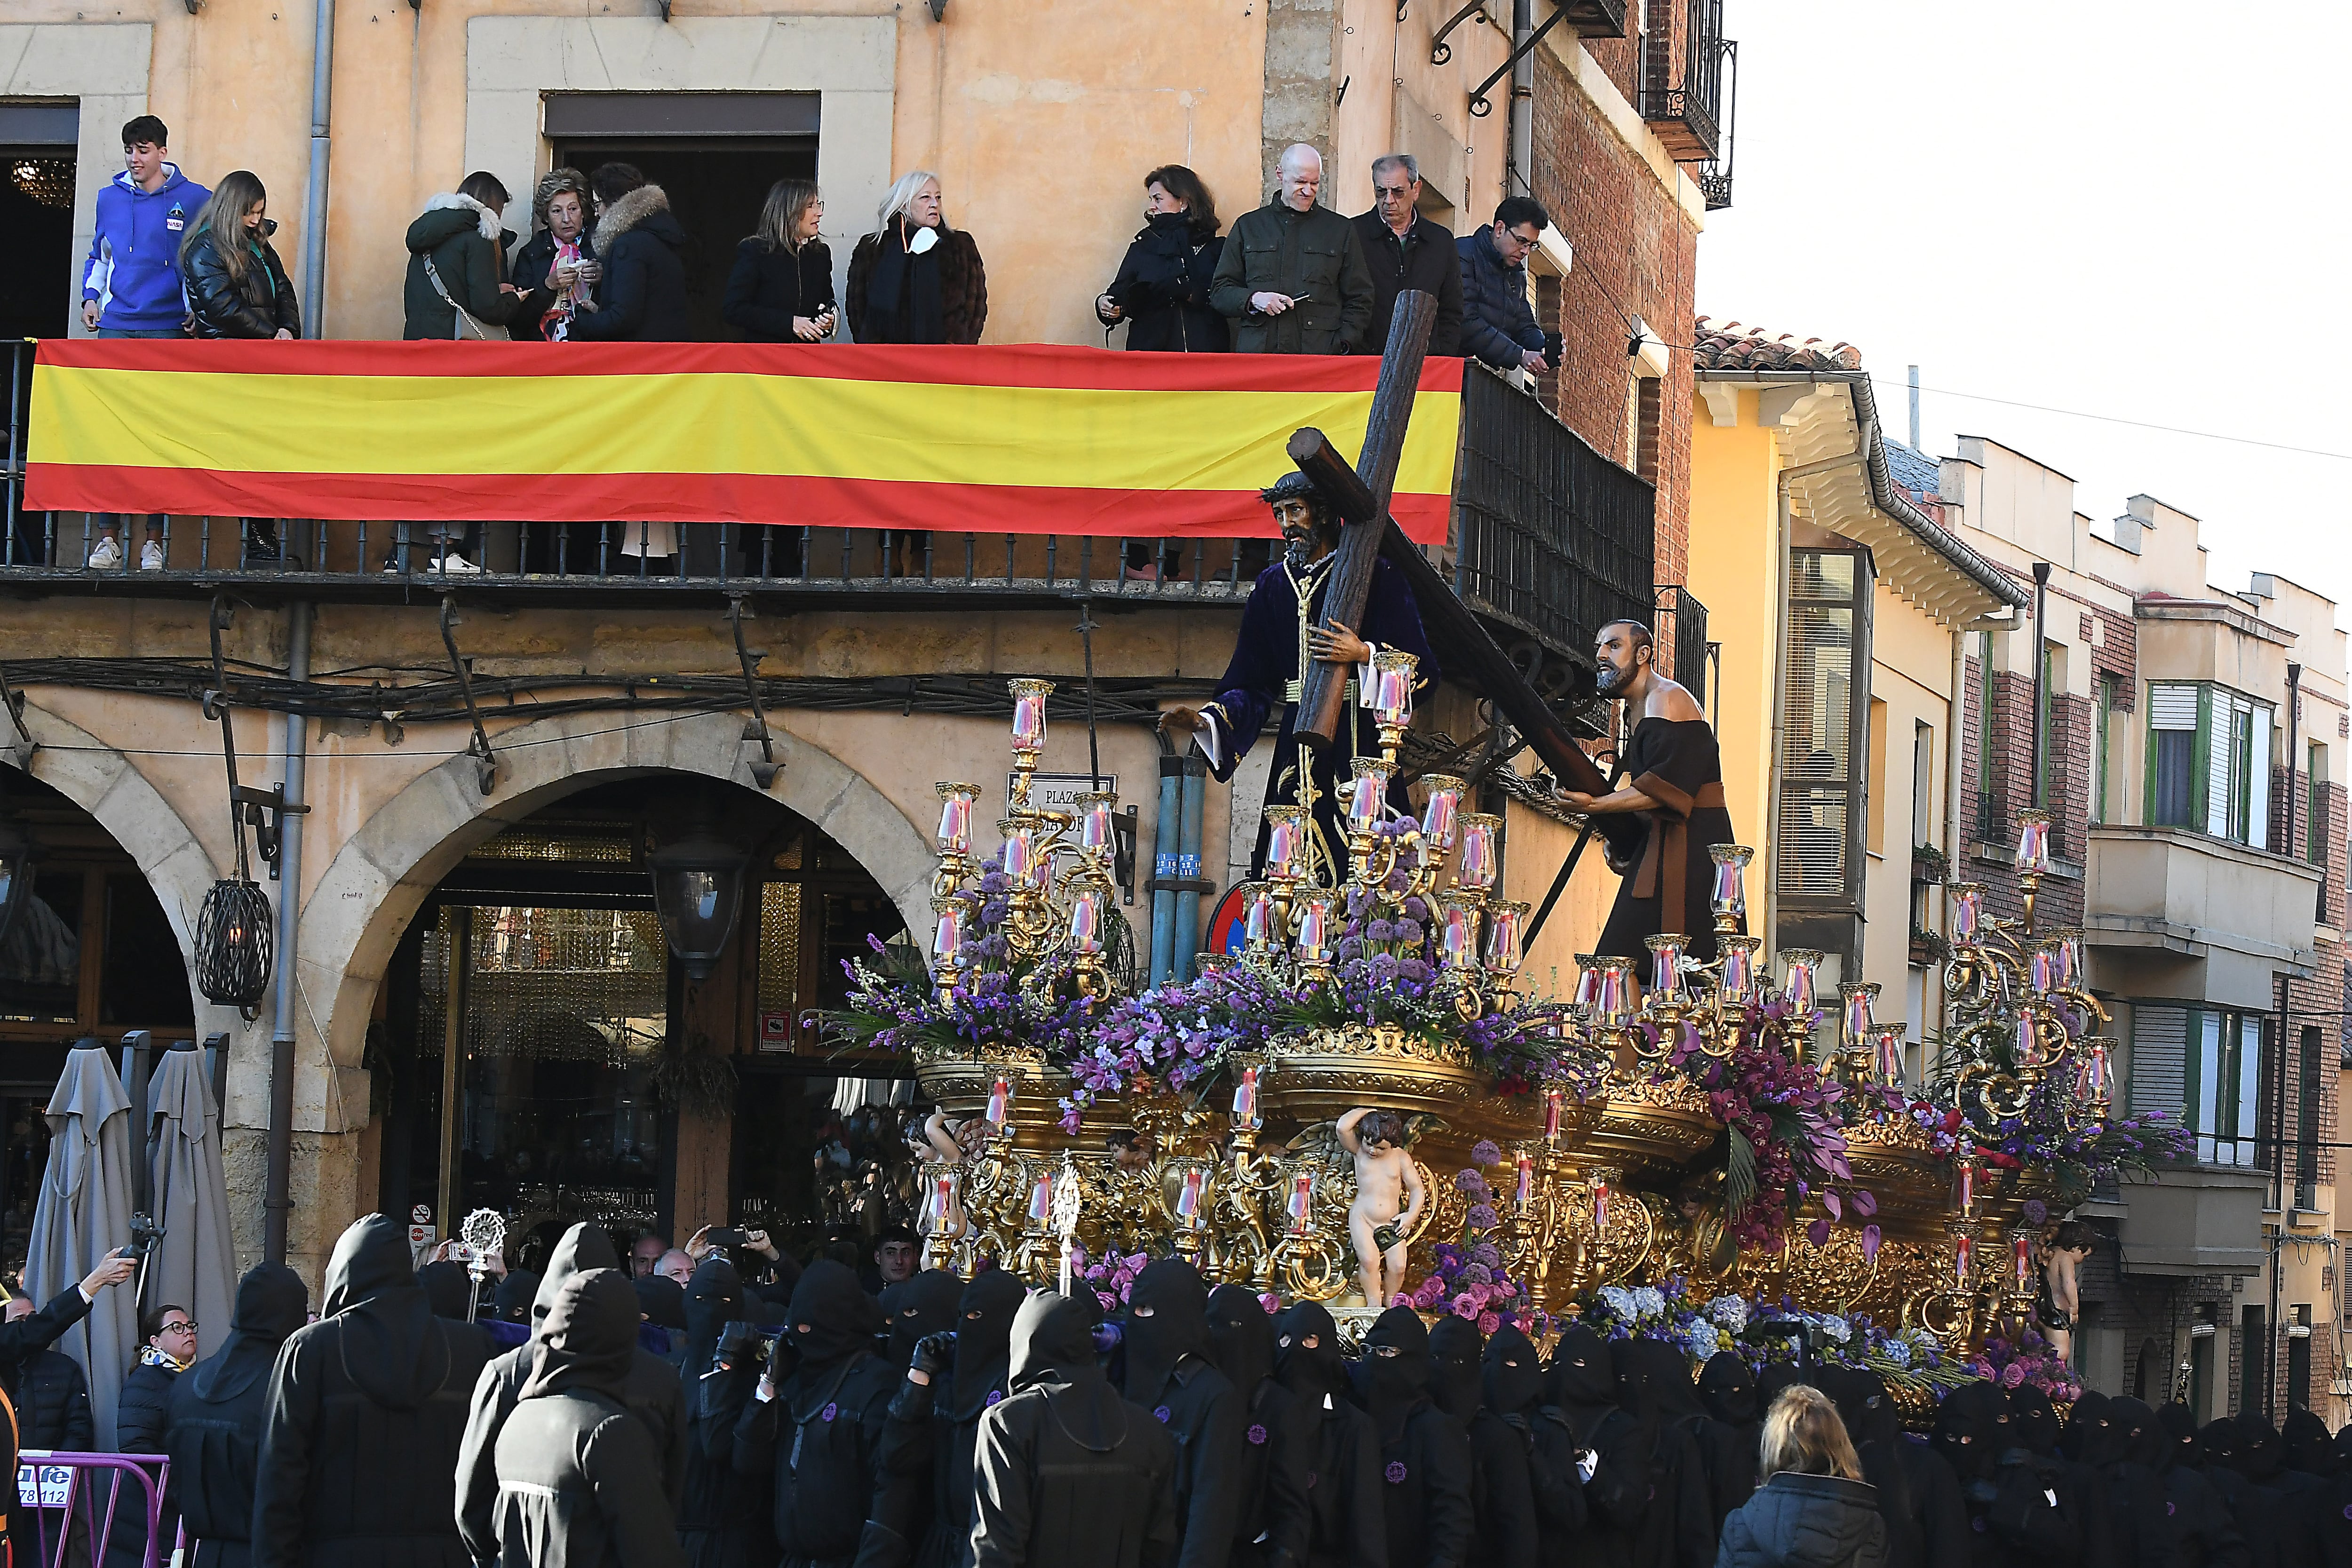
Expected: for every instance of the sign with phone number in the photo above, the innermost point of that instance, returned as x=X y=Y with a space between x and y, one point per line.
x=43 y=1486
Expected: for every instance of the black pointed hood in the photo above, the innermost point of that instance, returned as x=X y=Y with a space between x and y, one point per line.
x=589 y=1339
x=448 y=1286
x=983 y=1358
x=392 y=1346
x=1455 y=1349
x=582 y=1248
x=1666 y=1380
x=271 y=1303
x=1874 y=1419
x=1167 y=1319
x=2033 y=1421
x=2217 y=1444
x=1973 y=1429
x=830 y=1317
x=915 y=1308
x=2308 y=1447
x=1053 y=1350
x=2261 y=1455
x=1630 y=1378
x=1311 y=1372
x=511 y=1300
x=1241 y=1339
x=1511 y=1377
x=2092 y=1436
x=2180 y=1424
x=714 y=1299
x=2140 y=1436
x=1727 y=1388
x=1580 y=1383
x=1395 y=1370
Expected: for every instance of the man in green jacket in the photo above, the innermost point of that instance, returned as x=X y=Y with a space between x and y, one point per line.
x=1293 y=276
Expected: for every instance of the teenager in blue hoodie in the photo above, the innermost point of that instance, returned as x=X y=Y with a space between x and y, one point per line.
x=131 y=285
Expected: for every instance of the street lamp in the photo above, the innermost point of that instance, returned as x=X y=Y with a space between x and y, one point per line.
x=698 y=892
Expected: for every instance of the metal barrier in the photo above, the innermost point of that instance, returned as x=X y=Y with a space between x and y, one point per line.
x=49 y=1483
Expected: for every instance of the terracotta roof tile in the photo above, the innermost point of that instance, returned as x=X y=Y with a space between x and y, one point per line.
x=1731 y=346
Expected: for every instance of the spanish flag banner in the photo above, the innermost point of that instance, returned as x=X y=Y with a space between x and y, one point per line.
x=1018 y=439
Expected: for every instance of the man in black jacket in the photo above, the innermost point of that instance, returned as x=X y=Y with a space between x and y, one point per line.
x=359 y=1450
x=1292 y=277
x=51 y=1395
x=1498 y=324
x=1068 y=1474
x=655 y=1397
x=25 y=1339
x=579 y=1477
x=817 y=1429
x=1169 y=1374
x=1406 y=250
x=214 y=1433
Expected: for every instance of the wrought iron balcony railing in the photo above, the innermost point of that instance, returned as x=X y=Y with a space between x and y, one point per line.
x=1682 y=88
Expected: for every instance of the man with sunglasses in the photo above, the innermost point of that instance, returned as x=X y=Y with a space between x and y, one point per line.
x=1406 y=250
x=1497 y=325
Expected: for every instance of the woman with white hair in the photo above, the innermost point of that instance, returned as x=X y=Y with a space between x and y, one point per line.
x=915 y=279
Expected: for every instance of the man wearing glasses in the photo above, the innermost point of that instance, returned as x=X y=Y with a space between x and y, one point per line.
x=1406 y=250
x=1496 y=323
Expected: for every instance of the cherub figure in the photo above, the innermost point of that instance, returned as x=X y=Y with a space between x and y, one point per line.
x=1389 y=1199
x=1132 y=1153
x=2061 y=1299
x=950 y=1143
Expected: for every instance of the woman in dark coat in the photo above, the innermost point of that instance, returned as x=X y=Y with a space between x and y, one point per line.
x=367 y=1406
x=1813 y=1509
x=560 y=259
x=579 y=1477
x=915 y=279
x=167 y=1341
x=1161 y=291
x=1346 y=1528
x=780 y=291
x=238 y=288
x=458 y=238
x=642 y=298
x=213 y=1435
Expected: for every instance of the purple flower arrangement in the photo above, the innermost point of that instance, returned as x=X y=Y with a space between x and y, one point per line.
x=2015 y=1354
x=1470 y=1279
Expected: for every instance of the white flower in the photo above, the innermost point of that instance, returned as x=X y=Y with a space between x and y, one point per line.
x=1731 y=1312
x=1621 y=1302
x=1705 y=1339
x=1836 y=1328
x=1649 y=1302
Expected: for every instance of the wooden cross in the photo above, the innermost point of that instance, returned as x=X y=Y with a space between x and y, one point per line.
x=1361 y=496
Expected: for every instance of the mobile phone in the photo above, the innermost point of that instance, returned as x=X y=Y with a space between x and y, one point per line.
x=727 y=1236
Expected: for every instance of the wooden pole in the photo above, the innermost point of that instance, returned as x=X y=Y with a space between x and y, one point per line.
x=1324 y=685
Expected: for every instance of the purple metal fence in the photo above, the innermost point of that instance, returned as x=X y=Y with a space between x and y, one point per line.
x=63 y=1487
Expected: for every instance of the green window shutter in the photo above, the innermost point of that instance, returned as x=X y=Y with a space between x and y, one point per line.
x=2201 y=773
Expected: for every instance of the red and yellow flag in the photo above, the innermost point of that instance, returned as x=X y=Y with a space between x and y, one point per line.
x=1021 y=439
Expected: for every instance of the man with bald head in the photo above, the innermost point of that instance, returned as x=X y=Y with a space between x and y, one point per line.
x=1292 y=277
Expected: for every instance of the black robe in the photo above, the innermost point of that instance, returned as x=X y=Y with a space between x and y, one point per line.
x=914 y=1309
x=1066 y=1473
x=723 y=1514
x=1345 y=1525
x=1424 y=1453
x=1270 y=1522
x=1512 y=1384
x=1670 y=884
x=818 y=1434
x=982 y=1378
x=1502 y=1493
x=653 y=1394
x=367 y=1409
x=213 y=1435
x=1878 y=1442
x=1727 y=1391
x=1266 y=661
x=1169 y=1372
x=579 y=1483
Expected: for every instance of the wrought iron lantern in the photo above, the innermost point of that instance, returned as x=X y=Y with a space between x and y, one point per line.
x=697 y=894
x=235 y=941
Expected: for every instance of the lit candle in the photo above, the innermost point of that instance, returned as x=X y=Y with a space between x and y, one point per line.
x=1000 y=1102
x=1503 y=921
x=1856 y=1024
x=1967 y=912
x=2033 y=841
x=1257 y=933
x=1245 y=1098
x=1588 y=979
x=1041 y=1199
x=1367 y=796
x=1095 y=830
x=955 y=817
x=1613 y=998
x=1551 y=1116
x=1599 y=1207
x=1086 y=922
x=1526 y=1179
x=1286 y=842
x=1313 y=921
x=1020 y=852
x=1392 y=687
x=1477 y=871
x=2070 y=958
x=1962 y=1255
x=2044 y=969
x=1029 y=714
x=2024 y=1264
x=2029 y=1040
x=1439 y=815
x=1965 y=1170
x=1302 y=1189
x=1457 y=944
x=947 y=940
x=2096 y=1068
x=1802 y=994
x=1739 y=967
x=1886 y=1053
x=1731 y=861
x=942 y=1202
x=1188 y=1201
x=1665 y=964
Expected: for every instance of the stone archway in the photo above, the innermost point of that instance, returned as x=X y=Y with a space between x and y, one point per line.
x=106 y=783
x=382 y=874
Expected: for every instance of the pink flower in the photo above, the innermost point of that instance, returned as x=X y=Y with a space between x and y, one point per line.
x=2013 y=1375
x=1271 y=1302
x=1489 y=1323
x=1402 y=1299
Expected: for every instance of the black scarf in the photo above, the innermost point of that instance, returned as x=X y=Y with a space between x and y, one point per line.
x=1395 y=1370
x=904 y=302
x=983 y=1356
x=589 y=1339
x=1580 y=1383
x=1167 y=1319
x=271 y=1303
x=1311 y=1373
x=1454 y=1349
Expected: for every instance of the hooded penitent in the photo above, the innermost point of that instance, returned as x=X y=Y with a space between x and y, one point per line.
x=1580 y=1383
x=393 y=1348
x=1455 y=1348
x=1727 y=1389
x=271 y=1303
x=588 y=1339
x=2116 y=1432
x=1054 y=1347
x=2145 y=1440
x=217 y=1414
x=714 y=1299
x=1972 y=1428
x=1241 y=1339
x=582 y=1248
x=2217 y=1445
x=2091 y=1436
x=2180 y=1424
x=661 y=1302
x=1511 y=1379
x=915 y=1308
x=511 y=1302
x=1310 y=1371
x=1396 y=1370
x=2261 y=1455
x=830 y=1317
x=2309 y=1449
x=1167 y=1319
x=1666 y=1378
x=1630 y=1377
x=446 y=1286
x=984 y=1340
x=2092 y=1404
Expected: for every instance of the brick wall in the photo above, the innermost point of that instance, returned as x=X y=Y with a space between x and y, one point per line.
x=1636 y=255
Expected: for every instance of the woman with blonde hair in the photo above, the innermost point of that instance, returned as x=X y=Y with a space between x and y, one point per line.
x=780 y=290
x=1813 y=1510
x=915 y=279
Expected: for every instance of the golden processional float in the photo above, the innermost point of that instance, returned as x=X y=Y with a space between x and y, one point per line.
x=1632 y=1155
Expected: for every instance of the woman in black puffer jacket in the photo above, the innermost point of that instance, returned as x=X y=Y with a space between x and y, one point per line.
x=1162 y=287
x=167 y=1344
x=780 y=291
x=238 y=288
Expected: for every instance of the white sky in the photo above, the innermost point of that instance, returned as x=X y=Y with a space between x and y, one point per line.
x=2131 y=209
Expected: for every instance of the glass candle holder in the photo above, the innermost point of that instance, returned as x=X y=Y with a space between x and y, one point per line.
x=938 y=1203
x=1527 y=1186
x=1086 y=922
x=1588 y=980
x=1392 y=685
x=1802 y=989
x=999 y=1101
x=1600 y=1185
x=1964 y=1180
x=1886 y=1053
x=1096 y=835
x=1441 y=816
x=1245 y=1098
x=1285 y=843
x=1260 y=927
x=1739 y=967
x=2029 y=1040
x=1503 y=919
x=1667 y=964
x=1730 y=895
x=1457 y=932
x=1029 y=714
x=2033 y=840
x=1188 y=1198
x=1300 y=1205
x=1041 y=1199
x=1020 y=852
x=1967 y=912
x=1963 y=1261
x=955 y=817
x=1314 y=912
x=2069 y=946
x=1552 y=1107
x=1477 y=868
x=2095 y=1078
x=1854 y=1026
x=946 y=937
x=1612 y=993
x=1368 y=793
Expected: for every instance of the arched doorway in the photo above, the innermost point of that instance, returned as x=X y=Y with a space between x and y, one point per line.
x=88 y=951
x=595 y=1079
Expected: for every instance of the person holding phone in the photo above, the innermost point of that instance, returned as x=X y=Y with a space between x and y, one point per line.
x=561 y=258
x=780 y=291
x=1292 y=277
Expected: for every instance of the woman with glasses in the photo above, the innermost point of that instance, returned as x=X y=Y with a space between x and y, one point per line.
x=167 y=1347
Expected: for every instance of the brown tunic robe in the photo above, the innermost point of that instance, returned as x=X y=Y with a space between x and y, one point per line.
x=1675 y=762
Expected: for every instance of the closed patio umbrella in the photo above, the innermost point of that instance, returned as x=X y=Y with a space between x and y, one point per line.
x=83 y=1213
x=194 y=1266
